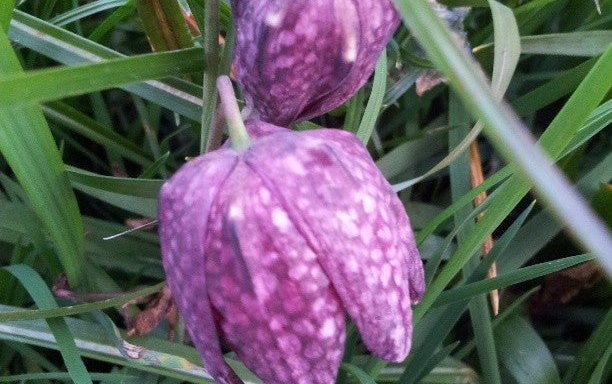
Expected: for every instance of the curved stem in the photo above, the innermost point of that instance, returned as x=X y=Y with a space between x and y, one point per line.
x=235 y=125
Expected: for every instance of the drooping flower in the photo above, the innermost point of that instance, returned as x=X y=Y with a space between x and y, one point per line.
x=297 y=59
x=267 y=249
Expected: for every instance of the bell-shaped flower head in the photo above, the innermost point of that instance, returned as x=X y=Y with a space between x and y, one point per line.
x=297 y=59
x=268 y=247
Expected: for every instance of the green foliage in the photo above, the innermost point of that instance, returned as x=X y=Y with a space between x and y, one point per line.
x=86 y=105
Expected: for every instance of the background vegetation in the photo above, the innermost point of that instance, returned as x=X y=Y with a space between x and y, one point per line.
x=88 y=134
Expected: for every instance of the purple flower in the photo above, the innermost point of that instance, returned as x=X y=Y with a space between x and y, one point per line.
x=297 y=59
x=269 y=248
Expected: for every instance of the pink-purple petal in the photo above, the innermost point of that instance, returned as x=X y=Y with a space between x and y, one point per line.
x=287 y=55
x=184 y=207
x=299 y=59
x=416 y=273
x=340 y=203
x=346 y=143
x=378 y=20
x=266 y=249
x=277 y=308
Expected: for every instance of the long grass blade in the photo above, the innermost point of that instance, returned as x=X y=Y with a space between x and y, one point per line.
x=370 y=115
x=68 y=48
x=6 y=13
x=44 y=299
x=57 y=83
x=508 y=133
x=27 y=145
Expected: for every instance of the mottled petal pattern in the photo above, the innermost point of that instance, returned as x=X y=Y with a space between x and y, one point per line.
x=416 y=274
x=378 y=20
x=267 y=249
x=185 y=205
x=299 y=59
x=346 y=143
x=279 y=311
x=344 y=207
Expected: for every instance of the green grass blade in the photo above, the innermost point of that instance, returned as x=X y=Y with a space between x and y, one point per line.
x=576 y=111
x=93 y=342
x=44 y=299
x=104 y=28
x=507 y=48
x=584 y=43
x=74 y=120
x=460 y=179
x=54 y=312
x=597 y=121
x=354 y=111
x=61 y=376
x=27 y=145
x=68 y=48
x=164 y=24
x=564 y=201
x=466 y=199
x=6 y=13
x=358 y=373
x=524 y=354
x=543 y=227
x=561 y=85
x=508 y=133
x=465 y=3
x=134 y=195
x=86 y=10
x=512 y=309
x=500 y=246
x=147 y=188
x=57 y=83
x=156 y=167
x=602 y=371
x=510 y=278
x=151 y=131
x=461 y=226
x=379 y=84
x=397 y=89
x=136 y=254
x=590 y=355
x=437 y=357
x=408 y=155
x=507 y=52
x=209 y=80
x=432 y=332
x=452 y=156
x=34 y=355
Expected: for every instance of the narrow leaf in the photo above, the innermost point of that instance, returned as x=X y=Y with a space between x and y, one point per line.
x=379 y=84
x=57 y=83
x=524 y=354
x=29 y=148
x=510 y=278
x=6 y=13
x=44 y=299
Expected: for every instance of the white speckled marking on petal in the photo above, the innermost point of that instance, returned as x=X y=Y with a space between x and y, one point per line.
x=330 y=156
x=271 y=309
x=185 y=203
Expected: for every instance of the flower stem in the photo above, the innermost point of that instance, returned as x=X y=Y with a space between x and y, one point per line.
x=235 y=125
x=211 y=52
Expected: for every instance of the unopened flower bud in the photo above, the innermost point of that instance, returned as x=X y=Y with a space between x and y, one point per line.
x=297 y=59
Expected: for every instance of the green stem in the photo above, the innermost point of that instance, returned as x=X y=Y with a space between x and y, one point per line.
x=235 y=125
x=211 y=53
